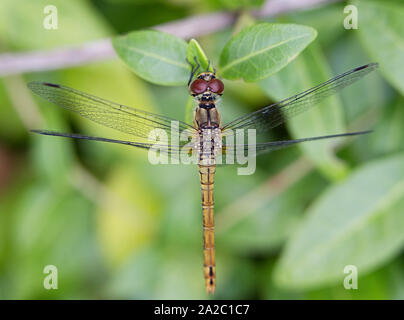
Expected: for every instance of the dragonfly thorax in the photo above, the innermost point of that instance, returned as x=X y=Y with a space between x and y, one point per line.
x=206 y=116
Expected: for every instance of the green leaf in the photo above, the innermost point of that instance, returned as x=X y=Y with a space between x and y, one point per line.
x=308 y=70
x=194 y=51
x=261 y=50
x=154 y=56
x=381 y=29
x=357 y=222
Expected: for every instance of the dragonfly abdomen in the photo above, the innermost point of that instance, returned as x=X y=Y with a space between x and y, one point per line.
x=207 y=173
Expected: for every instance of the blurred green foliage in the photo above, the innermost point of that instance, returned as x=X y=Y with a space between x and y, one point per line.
x=118 y=227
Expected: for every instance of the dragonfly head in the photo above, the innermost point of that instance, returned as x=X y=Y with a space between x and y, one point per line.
x=206 y=86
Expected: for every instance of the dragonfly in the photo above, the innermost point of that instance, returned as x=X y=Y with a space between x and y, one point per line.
x=206 y=88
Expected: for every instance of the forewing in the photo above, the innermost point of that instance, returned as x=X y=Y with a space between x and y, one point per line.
x=269 y=117
x=123 y=118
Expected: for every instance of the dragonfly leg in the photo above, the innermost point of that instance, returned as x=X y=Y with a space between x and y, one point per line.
x=194 y=68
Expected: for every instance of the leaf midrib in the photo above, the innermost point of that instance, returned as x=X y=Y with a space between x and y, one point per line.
x=253 y=54
x=155 y=56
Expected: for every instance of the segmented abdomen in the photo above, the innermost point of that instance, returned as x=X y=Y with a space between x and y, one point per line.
x=207 y=173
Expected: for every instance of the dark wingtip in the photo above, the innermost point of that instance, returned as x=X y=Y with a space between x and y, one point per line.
x=360 y=132
x=361 y=67
x=369 y=65
x=51 y=84
x=33 y=85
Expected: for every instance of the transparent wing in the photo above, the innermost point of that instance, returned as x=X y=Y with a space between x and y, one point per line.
x=275 y=114
x=168 y=149
x=125 y=119
x=227 y=154
x=266 y=147
x=230 y=153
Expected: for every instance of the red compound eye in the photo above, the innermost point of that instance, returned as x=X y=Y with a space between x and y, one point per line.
x=216 y=86
x=198 y=86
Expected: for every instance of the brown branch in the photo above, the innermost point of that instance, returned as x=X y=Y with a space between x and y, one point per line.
x=15 y=63
x=278 y=7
